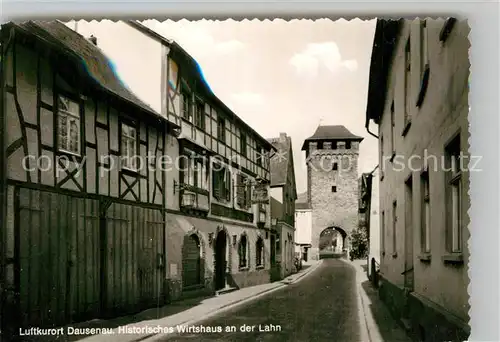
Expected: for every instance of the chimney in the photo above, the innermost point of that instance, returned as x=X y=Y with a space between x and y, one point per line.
x=93 y=40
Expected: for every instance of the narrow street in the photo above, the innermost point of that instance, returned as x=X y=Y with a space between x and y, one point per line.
x=322 y=307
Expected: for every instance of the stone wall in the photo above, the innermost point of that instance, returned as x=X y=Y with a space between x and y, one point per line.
x=329 y=208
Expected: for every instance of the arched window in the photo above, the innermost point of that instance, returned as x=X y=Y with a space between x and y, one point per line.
x=259 y=252
x=243 y=251
x=191 y=261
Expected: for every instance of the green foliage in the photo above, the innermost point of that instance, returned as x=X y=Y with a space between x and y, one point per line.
x=359 y=244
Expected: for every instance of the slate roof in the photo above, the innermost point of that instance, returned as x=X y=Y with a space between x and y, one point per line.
x=276 y=208
x=301 y=202
x=332 y=132
x=92 y=61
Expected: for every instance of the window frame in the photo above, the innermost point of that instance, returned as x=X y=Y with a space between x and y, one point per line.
x=394 y=229
x=126 y=158
x=407 y=86
x=243 y=250
x=199 y=114
x=454 y=196
x=259 y=252
x=186 y=101
x=425 y=227
x=69 y=115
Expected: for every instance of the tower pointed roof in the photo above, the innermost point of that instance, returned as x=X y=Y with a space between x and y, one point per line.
x=331 y=132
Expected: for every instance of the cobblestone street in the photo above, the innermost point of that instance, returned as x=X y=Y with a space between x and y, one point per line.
x=322 y=307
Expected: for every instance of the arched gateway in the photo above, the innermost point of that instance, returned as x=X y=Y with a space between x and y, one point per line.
x=332 y=243
x=332 y=187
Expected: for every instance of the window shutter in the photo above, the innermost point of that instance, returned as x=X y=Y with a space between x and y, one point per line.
x=228 y=185
x=215 y=184
x=240 y=191
x=249 y=196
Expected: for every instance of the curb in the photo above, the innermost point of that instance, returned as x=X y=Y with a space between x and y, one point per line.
x=362 y=306
x=229 y=306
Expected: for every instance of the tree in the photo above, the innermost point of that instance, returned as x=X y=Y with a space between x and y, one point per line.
x=359 y=244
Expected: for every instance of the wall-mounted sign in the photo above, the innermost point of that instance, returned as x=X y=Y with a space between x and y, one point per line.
x=260 y=194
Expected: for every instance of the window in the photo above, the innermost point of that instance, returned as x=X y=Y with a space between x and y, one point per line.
x=394 y=227
x=407 y=89
x=454 y=194
x=221 y=129
x=243 y=191
x=334 y=188
x=194 y=170
x=424 y=57
x=243 y=145
x=335 y=167
x=381 y=157
x=393 y=129
x=129 y=146
x=221 y=183
x=260 y=155
x=426 y=216
x=243 y=251
x=68 y=126
x=348 y=145
x=382 y=233
x=199 y=119
x=186 y=106
x=259 y=251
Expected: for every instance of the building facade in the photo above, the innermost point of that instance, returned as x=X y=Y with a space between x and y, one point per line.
x=332 y=187
x=369 y=219
x=218 y=210
x=374 y=228
x=84 y=218
x=283 y=196
x=418 y=96
x=303 y=226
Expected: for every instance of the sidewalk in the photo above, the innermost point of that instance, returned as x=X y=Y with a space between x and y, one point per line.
x=377 y=323
x=149 y=325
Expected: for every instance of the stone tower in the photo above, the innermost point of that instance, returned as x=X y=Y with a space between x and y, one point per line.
x=332 y=184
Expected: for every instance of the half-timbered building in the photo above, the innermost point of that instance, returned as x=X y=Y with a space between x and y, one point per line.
x=218 y=211
x=83 y=225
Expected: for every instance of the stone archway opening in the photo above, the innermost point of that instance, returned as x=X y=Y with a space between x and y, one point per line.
x=220 y=260
x=192 y=262
x=332 y=242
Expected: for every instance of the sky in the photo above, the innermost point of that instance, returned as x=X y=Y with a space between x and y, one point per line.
x=286 y=76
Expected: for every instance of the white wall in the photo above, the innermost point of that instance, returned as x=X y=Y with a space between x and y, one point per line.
x=136 y=56
x=374 y=251
x=277 y=193
x=303 y=226
x=443 y=114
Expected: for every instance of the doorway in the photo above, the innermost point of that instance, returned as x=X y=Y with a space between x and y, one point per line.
x=220 y=260
x=408 y=272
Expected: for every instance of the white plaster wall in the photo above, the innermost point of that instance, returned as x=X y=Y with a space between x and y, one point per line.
x=277 y=193
x=443 y=113
x=374 y=251
x=303 y=226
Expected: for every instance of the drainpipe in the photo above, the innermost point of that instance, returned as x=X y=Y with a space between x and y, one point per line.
x=367 y=126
